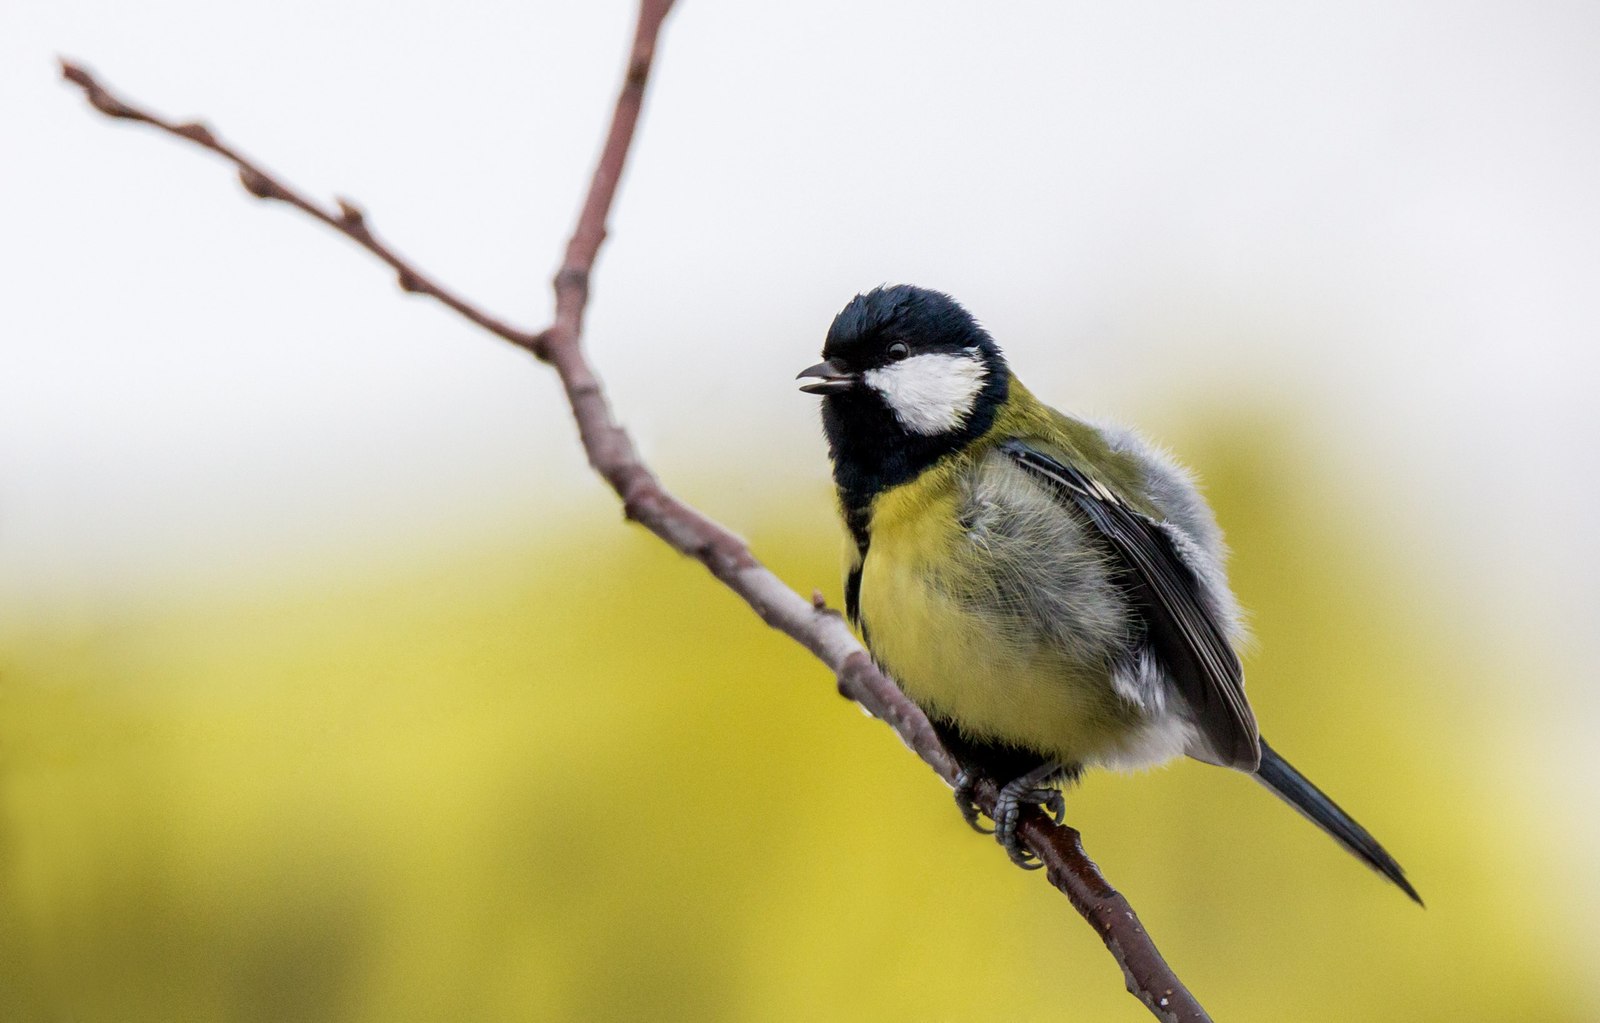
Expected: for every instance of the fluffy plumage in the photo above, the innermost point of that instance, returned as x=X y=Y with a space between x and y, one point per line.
x=1051 y=592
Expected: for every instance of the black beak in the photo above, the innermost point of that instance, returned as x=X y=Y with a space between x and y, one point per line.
x=829 y=377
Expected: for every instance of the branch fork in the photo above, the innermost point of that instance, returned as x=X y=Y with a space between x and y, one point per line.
x=612 y=455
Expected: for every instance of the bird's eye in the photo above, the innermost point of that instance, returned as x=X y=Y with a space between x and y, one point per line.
x=899 y=350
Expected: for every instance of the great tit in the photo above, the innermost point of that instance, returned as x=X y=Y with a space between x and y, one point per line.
x=1050 y=592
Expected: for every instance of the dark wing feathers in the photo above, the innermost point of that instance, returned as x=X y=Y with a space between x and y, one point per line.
x=1183 y=633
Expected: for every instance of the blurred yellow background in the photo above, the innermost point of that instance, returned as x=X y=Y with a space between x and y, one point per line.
x=332 y=687
x=572 y=778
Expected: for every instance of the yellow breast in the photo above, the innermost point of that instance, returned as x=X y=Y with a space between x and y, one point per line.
x=928 y=606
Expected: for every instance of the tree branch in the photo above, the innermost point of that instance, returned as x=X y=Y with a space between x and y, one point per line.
x=612 y=455
x=348 y=219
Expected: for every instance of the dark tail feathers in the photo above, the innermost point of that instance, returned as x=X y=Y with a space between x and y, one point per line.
x=1292 y=787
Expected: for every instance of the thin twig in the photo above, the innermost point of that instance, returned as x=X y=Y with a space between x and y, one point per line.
x=349 y=219
x=612 y=455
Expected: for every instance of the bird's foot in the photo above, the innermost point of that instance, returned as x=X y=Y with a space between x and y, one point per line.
x=966 y=799
x=1032 y=789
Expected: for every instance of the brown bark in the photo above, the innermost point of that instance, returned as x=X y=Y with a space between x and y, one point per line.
x=613 y=456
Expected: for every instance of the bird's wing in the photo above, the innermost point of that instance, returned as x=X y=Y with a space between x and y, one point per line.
x=1184 y=634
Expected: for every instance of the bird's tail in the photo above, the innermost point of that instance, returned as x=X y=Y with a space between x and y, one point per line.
x=1292 y=787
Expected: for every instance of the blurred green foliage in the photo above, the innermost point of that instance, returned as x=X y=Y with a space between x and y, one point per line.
x=577 y=780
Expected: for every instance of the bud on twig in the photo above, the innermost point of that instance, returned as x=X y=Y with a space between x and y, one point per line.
x=351 y=215
x=258 y=184
x=197 y=132
x=98 y=97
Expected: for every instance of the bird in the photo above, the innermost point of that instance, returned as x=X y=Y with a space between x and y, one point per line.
x=1050 y=591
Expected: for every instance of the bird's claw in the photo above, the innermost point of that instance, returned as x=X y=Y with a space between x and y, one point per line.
x=1055 y=804
x=965 y=792
x=1028 y=790
x=1032 y=789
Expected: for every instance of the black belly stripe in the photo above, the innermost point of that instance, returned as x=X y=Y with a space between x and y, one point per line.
x=852 y=590
x=857 y=518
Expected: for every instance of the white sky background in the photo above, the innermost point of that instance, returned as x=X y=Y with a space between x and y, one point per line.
x=1385 y=212
x=1386 y=209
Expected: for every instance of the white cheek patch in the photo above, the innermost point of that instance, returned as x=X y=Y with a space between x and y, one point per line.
x=930 y=394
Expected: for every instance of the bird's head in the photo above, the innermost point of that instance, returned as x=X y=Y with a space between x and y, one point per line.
x=907 y=376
